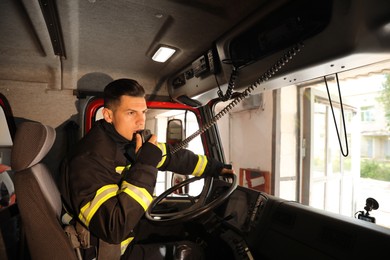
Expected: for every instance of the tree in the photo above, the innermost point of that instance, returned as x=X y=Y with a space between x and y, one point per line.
x=384 y=98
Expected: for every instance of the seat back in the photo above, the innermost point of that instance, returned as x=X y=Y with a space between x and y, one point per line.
x=38 y=197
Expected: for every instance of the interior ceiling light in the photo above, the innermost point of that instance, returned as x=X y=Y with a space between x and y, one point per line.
x=163 y=54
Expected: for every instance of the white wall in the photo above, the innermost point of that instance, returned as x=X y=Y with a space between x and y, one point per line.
x=33 y=101
x=248 y=147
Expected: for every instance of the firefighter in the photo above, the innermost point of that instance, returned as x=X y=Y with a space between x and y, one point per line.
x=108 y=181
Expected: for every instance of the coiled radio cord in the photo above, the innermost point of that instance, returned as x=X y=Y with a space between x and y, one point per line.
x=232 y=82
x=246 y=93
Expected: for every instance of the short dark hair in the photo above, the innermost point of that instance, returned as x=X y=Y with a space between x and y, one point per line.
x=121 y=87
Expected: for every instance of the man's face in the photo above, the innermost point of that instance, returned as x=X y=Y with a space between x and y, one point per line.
x=128 y=117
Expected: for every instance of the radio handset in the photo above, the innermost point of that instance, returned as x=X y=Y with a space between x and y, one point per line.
x=130 y=150
x=145 y=135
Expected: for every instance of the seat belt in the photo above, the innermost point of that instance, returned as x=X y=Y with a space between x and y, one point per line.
x=79 y=237
x=74 y=239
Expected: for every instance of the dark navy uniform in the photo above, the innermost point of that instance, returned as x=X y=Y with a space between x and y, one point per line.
x=108 y=188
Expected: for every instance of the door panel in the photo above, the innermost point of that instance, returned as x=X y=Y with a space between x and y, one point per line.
x=328 y=177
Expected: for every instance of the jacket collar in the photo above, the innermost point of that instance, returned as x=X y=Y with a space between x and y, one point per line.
x=111 y=131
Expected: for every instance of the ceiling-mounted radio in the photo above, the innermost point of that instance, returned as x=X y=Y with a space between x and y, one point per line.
x=206 y=64
x=203 y=66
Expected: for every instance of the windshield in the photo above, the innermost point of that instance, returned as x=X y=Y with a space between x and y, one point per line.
x=329 y=153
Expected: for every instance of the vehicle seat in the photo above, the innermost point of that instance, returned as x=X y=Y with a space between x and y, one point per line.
x=38 y=197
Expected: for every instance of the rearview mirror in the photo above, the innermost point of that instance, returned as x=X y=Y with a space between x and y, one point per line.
x=174 y=131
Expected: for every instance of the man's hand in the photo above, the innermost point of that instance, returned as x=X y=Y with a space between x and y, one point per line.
x=148 y=152
x=138 y=141
x=227 y=170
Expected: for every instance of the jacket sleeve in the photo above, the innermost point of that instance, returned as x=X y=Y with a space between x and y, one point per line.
x=187 y=162
x=110 y=203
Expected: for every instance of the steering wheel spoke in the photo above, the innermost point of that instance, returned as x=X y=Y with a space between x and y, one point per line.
x=205 y=203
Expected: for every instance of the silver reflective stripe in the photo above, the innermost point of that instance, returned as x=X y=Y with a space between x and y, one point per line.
x=141 y=195
x=200 y=166
x=102 y=195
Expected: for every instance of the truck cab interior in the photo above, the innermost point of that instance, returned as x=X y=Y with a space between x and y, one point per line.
x=244 y=82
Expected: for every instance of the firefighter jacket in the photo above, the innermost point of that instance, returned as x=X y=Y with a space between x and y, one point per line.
x=108 y=187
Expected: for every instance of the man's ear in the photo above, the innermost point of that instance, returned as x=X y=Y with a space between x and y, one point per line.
x=107 y=115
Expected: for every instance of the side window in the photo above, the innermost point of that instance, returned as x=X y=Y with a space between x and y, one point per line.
x=157 y=120
x=5 y=136
x=367 y=113
x=7 y=191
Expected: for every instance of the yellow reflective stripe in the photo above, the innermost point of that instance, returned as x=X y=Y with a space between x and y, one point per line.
x=119 y=169
x=125 y=243
x=200 y=166
x=102 y=195
x=163 y=148
x=141 y=195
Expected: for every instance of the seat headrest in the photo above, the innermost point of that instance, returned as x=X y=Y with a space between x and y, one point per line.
x=32 y=142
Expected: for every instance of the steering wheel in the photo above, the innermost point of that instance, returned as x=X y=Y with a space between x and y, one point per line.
x=205 y=203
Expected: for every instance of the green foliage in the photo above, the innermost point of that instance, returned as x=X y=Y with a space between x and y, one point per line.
x=384 y=98
x=375 y=170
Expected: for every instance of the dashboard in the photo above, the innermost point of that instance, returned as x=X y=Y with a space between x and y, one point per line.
x=243 y=209
x=256 y=225
x=241 y=218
